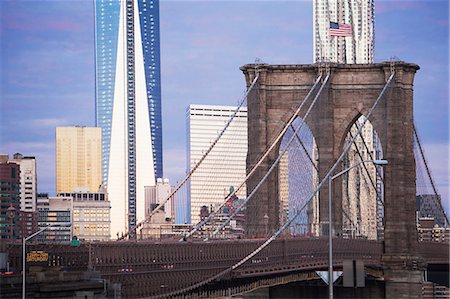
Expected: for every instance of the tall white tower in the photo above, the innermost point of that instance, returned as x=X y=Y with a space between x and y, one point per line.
x=131 y=157
x=226 y=163
x=358 y=48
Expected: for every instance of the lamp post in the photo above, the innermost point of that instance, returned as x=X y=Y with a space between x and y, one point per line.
x=330 y=225
x=24 y=251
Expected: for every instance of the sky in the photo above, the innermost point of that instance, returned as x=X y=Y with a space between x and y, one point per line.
x=47 y=67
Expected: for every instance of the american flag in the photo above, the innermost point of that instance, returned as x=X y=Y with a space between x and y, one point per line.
x=337 y=29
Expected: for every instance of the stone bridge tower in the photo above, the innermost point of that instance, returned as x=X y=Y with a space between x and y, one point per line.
x=351 y=91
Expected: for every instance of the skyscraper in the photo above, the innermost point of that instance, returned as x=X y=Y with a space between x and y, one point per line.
x=107 y=14
x=357 y=48
x=78 y=158
x=9 y=199
x=226 y=163
x=128 y=104
x=28 y=182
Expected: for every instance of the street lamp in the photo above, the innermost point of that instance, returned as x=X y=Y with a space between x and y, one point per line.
x=23 y=249
x=330 y=225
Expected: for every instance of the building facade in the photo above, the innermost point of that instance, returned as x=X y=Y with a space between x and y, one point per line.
x=28 y=182
x=128 y=98
x=430 y=205
x=154 y=195
x=9 y=199
x=226 y=163
x=357 y=48
x=56 y=210
x=91 y=215
x=78 y=158
x=429 y=230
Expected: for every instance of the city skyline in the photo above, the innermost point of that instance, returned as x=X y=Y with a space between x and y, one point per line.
x=196 y=40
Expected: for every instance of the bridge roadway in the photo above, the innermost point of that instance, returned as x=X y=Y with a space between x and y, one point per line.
x=147 y=268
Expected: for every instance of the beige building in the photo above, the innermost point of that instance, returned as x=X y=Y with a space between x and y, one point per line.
x=91 y=215
x=283 y=181
x=78 y=158
x=162 y=221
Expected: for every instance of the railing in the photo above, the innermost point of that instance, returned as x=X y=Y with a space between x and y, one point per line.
x=155 y=268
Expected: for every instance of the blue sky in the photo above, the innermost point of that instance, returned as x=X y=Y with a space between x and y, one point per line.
x=47 y=67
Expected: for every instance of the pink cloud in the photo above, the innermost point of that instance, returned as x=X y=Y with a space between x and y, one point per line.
x=41 y=25
x=392 y=6
x=443 y=23
x=20 y=20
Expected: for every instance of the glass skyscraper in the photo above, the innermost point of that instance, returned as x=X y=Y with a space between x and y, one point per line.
x=128 y=98
x=107 y=13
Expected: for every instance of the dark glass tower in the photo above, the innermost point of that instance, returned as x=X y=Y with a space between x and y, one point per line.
x=107 y=13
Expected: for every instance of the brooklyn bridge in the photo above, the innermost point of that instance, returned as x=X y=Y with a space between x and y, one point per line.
x=321 y=111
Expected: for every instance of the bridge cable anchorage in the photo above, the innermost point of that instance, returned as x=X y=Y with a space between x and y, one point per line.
x=430 y=177
x=274 y=236
x=275 y=163
x=181 y=184
x=261 y=159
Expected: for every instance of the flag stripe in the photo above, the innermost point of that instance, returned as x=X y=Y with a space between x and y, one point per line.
x=337 y=29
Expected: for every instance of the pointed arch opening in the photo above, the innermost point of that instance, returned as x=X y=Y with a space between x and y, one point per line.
x=362 y=188
x=298 y=178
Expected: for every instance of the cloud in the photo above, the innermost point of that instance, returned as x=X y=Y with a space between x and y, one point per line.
x=395 y=6
x=49 y=122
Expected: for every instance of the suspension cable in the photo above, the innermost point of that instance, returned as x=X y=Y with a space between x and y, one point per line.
x=141 y=223
x=274 y=163
x=429 y=172
x=250 y=173
x=274 y=236
x=325 y=179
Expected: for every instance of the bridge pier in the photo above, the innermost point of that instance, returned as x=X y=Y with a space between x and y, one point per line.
x=403 y=276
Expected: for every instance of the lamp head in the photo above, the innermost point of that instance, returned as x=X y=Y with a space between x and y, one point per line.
x=380 y=162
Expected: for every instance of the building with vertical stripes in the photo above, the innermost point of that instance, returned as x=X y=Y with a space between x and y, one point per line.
x=128 y=98
x=78 y=158
x=225 y=165
x=358 y=48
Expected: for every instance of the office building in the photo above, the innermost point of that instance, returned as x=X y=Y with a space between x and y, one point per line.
x=55 y=210
x=128 y=101
x=430 y=206
x=154 y=195
x=28 y=223
x=225 y=166
x=429 y=231
x=9 y=199
x=162 y=219
x=78 y=158
x=28 y=182
x=356 y=47
x=91 y=215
